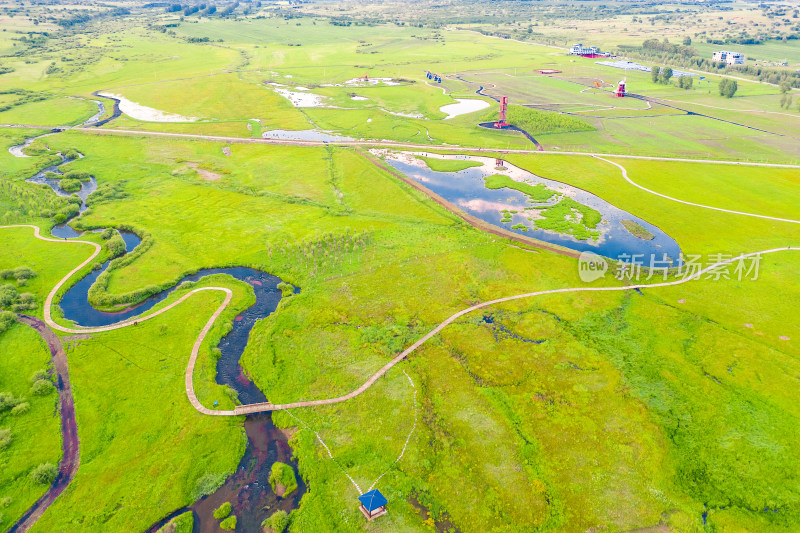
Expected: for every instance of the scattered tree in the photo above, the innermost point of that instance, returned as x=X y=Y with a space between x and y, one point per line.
x=654 y=74
x=728 y=87
x=665 y=75
x=44 y=474
x=277 y=522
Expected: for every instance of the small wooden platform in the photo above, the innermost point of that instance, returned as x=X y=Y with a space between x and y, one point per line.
x=375 y=515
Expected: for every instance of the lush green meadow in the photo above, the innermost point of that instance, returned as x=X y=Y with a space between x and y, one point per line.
x=672 y=407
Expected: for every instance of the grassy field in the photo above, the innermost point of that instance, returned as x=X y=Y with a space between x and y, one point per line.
x=671 y=407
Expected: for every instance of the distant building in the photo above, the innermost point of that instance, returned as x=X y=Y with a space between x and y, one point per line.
x=579 y=50
x=592 y=51
x=731 y=58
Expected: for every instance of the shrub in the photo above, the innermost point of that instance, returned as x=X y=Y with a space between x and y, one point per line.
x=76 y=175
x=6 y=274
x=23 y=273
x=8 y=293
x=42 y=387
x=229 y=524
x=282 y=480
x=286 y=289
x=223 y=511
x=5 y=438
x=44 y=474
x=728 y=87
x=69 y=185
x=8 y=401
x=107 y=233
x=39 y=374
x=277 y=522
x=72 y=154
x=21 y=409
x=115 y=246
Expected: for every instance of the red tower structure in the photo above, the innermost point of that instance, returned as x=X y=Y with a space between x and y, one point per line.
x=501 y=123
x=619 y=92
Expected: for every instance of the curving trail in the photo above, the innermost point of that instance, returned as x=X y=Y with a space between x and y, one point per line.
x=265 y=407
x=625 y=175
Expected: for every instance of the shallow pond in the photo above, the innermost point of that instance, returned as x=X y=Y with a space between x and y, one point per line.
x=462 y=107
x=506 y=208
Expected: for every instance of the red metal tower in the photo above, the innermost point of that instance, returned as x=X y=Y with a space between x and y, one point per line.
x=501 y=123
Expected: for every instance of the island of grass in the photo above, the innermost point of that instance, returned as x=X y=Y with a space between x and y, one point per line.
x=282 y=480
x=70 y=185
x=536 y=193
x=520 y=226
x=538 y=122
x=570 y=217
x=637 y=230
x=449 y=165
x=183 y=523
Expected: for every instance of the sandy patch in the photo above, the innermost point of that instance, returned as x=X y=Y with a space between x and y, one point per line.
x=359 y=98
x=784 y=338
x=205 y=174
x=226 y=150
x=748 y=325
x=462 y=107
x=141 y=112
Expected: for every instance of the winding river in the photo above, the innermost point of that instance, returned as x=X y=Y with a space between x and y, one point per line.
x=248 y=488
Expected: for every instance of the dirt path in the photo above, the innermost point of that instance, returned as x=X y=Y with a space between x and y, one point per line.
x=69 y=428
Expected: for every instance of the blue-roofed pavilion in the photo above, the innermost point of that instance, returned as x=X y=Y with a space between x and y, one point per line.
x=373 y=504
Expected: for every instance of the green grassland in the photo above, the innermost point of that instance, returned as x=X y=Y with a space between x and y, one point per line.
x=448 y=165
x=35 y=433
x=573 y=411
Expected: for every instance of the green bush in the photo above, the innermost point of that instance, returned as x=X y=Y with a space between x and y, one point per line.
x=287 y=289
x=107 y=233
x=6 y=274
x=115 y=246
x=76 y=175
x=222 y=511
x=69 y=185
x=21 y=409
x=207 y=485
x=42 y=387
x=24 y=273
x=8 y=293
x=5 y=438
x=281 y=478
x=72 y=154
x=44 y=474
x=39 y=374
x=229 y=524
x=8 y=401
x=277 y=522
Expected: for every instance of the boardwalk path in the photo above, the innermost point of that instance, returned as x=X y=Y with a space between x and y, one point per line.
x=264 y=407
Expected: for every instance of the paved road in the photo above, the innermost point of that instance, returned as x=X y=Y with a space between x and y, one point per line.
x=69 y=429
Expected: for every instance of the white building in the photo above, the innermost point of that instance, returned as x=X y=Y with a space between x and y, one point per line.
x=731 y=58
x=579 y=50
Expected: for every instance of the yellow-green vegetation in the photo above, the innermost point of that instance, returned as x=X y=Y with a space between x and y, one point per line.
x=222 y=511
x=637 y=230
x=538 y=122
x=183 y=523
x=448 y=165
x=29 y=423
x=536 y=193
x=229 y=524
x=277 y=522
x=557 y=413
x=571 y=217
x=282 y=480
